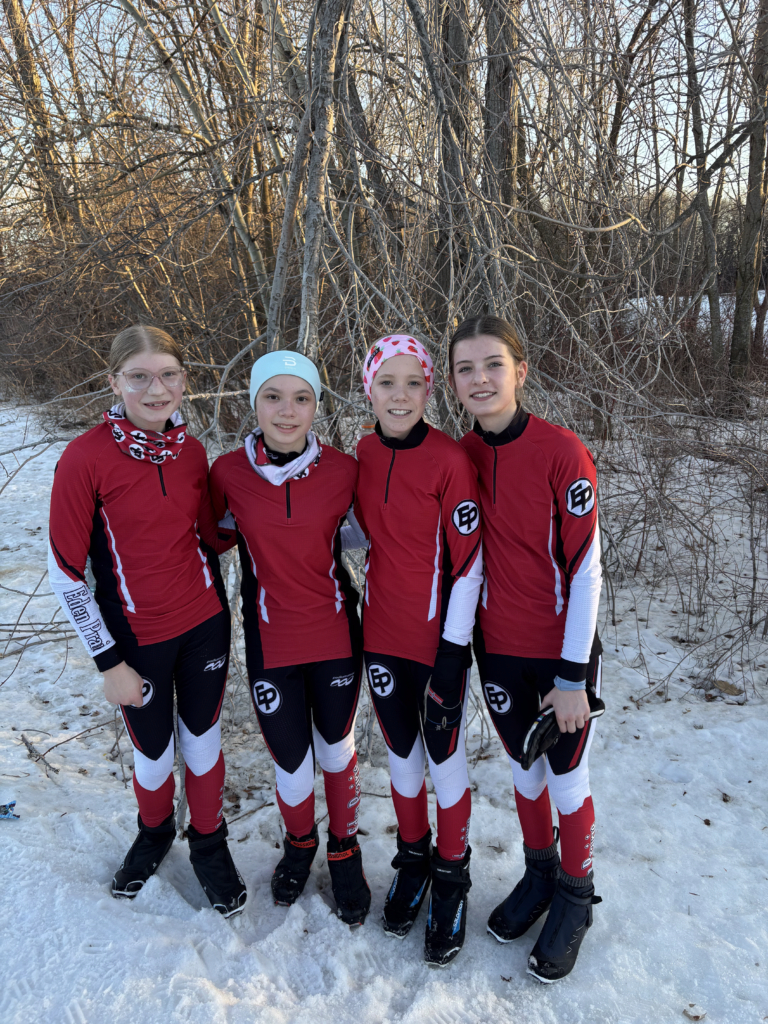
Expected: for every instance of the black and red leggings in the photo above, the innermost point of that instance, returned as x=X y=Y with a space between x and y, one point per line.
x=513 y=689
x=307 y=712
x=195 y=666
x=398 y=686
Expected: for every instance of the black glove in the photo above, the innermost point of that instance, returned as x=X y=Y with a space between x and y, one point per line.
x=445 y=692
x=545 y=732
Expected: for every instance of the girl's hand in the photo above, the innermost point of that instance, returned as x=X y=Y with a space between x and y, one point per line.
x=123 y=685
x=571 y=708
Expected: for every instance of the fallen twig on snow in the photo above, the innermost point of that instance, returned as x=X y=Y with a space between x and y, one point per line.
x=37 y=756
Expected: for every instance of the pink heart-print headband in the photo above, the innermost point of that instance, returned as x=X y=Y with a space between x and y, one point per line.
x=396 y=345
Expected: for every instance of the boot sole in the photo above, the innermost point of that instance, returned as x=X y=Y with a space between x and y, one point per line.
x=498 y=937
x=125 y=894
x=544 y=981
x=355 y=923
x=444 y=963
x=220 y=908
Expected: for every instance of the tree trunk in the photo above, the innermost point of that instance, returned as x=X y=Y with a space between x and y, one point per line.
x=455 y=64
x=49 y=172
x=761 y=309
x=220 y=172
x=292 y=194
x=750 y=250
x=333 y=14
x=703 y=178
x=500 y=113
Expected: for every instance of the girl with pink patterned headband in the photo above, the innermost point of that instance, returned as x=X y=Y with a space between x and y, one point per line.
x=396 y=345
x=417 y=504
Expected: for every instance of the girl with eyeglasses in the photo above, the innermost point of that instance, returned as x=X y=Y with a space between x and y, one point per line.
x=132 y=495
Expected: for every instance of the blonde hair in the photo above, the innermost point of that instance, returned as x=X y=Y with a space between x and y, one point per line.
x=139 y=338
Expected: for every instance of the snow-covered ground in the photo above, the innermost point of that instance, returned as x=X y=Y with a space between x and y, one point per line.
x=681 y=856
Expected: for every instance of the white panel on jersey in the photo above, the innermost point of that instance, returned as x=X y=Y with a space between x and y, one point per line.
x=436 y=575
x=332 y=574
x=123 y=585
x=79 y=605
x=558 y=582
x=152 y=774
x=462 y=605
x=204 y=560
x=583 y=600
x=334 y=757
x=295 y=787
x=200 y=752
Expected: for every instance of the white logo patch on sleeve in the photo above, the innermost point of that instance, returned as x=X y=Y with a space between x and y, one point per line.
x=580 y=497
x=466 y=517
x=382 y=680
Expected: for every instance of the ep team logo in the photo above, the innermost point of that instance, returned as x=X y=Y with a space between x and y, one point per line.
x=580 y=497
x=147 y=692
x=266 y=697
x=343 y=680
x=382 y=679
x=497 y=698
x=466 y=517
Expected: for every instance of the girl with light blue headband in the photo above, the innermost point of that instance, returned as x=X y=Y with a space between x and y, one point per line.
x=283 y=498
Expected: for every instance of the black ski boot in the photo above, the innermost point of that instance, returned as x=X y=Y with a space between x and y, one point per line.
x=409 y=886
x=447 y=920
x=530 y=897
x=215 y=870
x=144 y=857
x=291 y=874
x=350 y=888
x=570 y=914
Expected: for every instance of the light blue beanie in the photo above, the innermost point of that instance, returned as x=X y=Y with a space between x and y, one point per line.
x=294 y=364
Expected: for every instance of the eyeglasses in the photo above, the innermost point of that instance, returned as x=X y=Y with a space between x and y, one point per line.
x=140 y=380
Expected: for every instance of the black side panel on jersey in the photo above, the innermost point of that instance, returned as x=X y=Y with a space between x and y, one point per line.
x=215 y=567
x=560 y=550
x=249 y=587
x=446 y=584
x=64 y=562
x=351 y=599
x=107 y=592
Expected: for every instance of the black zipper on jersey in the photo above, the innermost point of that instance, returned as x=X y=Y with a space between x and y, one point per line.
x=495 y=460
x=162 y=482
x=389 y=474
x=288 y=499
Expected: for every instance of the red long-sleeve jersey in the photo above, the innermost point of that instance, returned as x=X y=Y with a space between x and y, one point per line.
x=147 y=529
x=295 y=587
x=538 y=492
x=418 y=506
